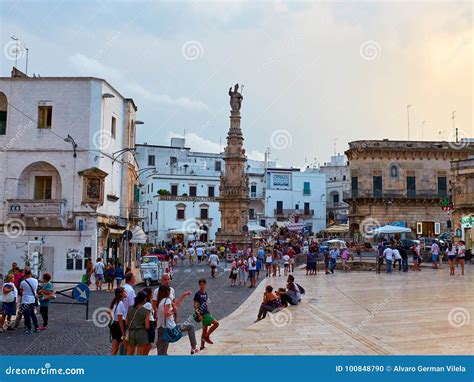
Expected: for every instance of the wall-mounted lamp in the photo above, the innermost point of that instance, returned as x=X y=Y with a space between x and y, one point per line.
x=73 y=143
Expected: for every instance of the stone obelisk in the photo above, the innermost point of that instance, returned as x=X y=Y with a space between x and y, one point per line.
x=234 y=194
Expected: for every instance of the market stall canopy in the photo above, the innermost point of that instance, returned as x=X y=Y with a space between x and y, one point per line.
x=387 y=229
x=138 y=236
x=256 y=228
x=341 y=244
x=337 y=228
x=295 y=226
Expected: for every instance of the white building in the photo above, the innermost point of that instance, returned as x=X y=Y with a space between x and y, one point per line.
x=298 y=196
x=337 y=181
x=179 y=191
x=63 y=195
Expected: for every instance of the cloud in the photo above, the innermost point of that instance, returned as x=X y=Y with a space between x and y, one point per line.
x=166 y=100
x=87 y=66
x=200 y=144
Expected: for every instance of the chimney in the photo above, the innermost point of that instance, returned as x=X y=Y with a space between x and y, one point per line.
x=16 y=73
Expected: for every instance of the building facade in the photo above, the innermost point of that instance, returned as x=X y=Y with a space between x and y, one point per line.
x=180 y=187
x=337 y=182
x=463 y=200
x=66 y=198
x=401 y=182
x=297 y=196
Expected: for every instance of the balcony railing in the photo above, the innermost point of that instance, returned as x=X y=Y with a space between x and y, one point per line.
x=395 y=194
x=30 y=208
x=288 y=212
x=176 y=198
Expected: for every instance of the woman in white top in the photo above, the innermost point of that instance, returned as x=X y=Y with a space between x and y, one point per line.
x=118 y=315
x=451 y=253
x=165 y=320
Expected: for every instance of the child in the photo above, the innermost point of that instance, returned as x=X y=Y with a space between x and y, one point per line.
x=203 y=315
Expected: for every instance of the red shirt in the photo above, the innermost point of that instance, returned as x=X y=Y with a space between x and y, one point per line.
x=291 y=252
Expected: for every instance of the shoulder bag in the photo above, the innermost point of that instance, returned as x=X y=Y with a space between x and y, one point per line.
x=170 y=335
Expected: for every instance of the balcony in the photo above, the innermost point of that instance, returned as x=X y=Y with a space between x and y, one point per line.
x=48 y=213
x=395 y=194
x=465 y=200
x=286 y=213
x=176 y=198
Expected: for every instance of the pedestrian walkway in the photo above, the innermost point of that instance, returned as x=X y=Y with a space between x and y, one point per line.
x=425 y=312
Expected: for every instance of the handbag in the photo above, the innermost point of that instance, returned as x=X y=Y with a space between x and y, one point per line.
x=36 y=303
x=171 y=335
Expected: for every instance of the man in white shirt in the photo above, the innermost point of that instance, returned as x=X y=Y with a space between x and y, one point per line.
x=252 y=265
x=199 y=253
x=29 y=289
x=388 y=254
x=397 y=258
x=129 y=284
x=213 y=262
x=434 y=255
x=99 y=273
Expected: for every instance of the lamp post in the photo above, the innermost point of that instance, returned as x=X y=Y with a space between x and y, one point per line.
x=73 y=143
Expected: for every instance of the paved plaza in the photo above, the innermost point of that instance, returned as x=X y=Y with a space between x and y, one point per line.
x=427 y=312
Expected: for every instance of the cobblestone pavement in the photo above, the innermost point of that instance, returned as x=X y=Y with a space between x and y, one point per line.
x=70 y=333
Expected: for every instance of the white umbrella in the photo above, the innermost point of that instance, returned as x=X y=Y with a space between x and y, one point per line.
x=387 y=229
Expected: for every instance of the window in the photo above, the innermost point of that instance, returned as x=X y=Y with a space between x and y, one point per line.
x=76 y=261
x=306 y=208
x=3 y=114
x=411 y=186
x=355 y=186
x=253 y=190
x=377 y=186
x=192 y=190
x=335 y=198
x=442 y=186
x=343 y=177
x=204 y=213
x=113 y=127
x=180 y=212
x=152 y=188
x=210 y=191
x=279 y=207
x=174 y=189
x=251 y=213
x=43 y=187
x=217 y=165
x=45 y=116
x=151 y=160
x=151 y=218
x=306 y=188
x=297 y=206
x=173 y=161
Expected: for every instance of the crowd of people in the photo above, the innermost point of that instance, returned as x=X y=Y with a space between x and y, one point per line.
x=21 y=295
x=139 y=320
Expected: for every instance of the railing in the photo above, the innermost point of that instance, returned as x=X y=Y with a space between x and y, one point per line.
x=177 y=198
x=395 y=194
x=288 y=212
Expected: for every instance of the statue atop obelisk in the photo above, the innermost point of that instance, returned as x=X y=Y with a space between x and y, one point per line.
x=234 y=193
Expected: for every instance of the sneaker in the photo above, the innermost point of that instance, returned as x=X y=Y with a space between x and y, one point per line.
x=194 y=351
x=28 y=331
x=43 y=328
x=36 y=330
x=208 y=340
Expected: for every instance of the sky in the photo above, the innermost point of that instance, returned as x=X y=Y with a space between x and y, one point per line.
x=315 y=75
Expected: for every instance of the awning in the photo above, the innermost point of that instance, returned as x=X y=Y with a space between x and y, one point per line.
x=295 y=226
x=387 y=229
x=185 y=231
x=337 y=229
x=256 y=228
x=115 y=231
x=138 y=236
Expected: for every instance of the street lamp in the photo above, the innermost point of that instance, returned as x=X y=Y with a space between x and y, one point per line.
x=73 y=143
x=139 y=123
x=108 y=95
x=116 y=154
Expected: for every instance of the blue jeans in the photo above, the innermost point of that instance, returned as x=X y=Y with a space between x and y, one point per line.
x=332 y=265
x=405 y=265
x=389 y=266
x=29 y=314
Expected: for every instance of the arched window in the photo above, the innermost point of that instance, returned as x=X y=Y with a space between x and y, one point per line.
x=204 y=211
x=3 y=113
x=394 y=171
